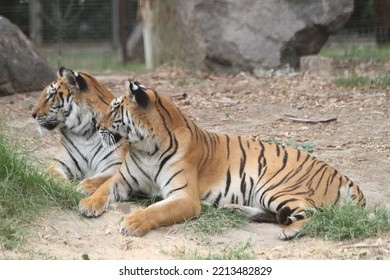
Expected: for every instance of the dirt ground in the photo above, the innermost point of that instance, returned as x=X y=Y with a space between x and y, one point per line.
x=349 y=127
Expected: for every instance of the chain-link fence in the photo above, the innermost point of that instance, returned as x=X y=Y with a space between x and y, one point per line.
x=94 y=35
x=106 y=35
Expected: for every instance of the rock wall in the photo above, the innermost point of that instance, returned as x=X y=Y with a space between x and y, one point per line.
x=229 y=35
x=21 y=67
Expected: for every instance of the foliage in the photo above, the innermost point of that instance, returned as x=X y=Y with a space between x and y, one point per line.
x=90 y=61
x=347 y=222
x=25 y=191
x=360 y=54
x=308 y=147
x=363 y=81
x=212 y=221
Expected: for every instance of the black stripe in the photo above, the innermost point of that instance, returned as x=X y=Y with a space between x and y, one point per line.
x=164 y=160
x=162 y=106
x=111 y=165
x=298 y=154
x=228 y=182
x=227 y=147
x=108 y=154
x=243 y=186
x=177 y=189
x=319 y=181
x=243 y=159
x=72 y=157
x=156 y=149
x=216 y=201
x=173 y=176
x=186 y=122
x=93 y=157
x=261 y=159
x=67 y=170
x=252 y=185
x=318 y=171
x=74 y=147
x=277 y=150
x=283 y=203
x=139 y=167
x=124 y=179
x=128 y=172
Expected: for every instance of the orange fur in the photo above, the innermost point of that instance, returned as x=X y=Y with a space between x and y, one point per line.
x=173 y=157
x=72 y=105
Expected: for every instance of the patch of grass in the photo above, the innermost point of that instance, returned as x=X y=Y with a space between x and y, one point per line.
x=85 y=257
x=92 y=62
x=348 y=222
x=144 y=200
x=10 y=235
x=212 y=221
x=363 y=81
x=308 y=147
x=26 y=190
x=362 y=53
x=241 y=251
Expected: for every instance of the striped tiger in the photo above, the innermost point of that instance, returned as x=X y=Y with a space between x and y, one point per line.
x=72 y=105
x=173 y=157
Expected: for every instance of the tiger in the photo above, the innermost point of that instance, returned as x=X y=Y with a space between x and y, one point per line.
x=173 y=158
x=72 y=105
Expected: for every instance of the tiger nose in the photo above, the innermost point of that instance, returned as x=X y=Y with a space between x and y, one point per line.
x=97 y=126
x=34 y=115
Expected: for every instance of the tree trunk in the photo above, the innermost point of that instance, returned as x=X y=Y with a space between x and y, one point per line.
x=382 y=21
x=160 y=31
x=35 y=11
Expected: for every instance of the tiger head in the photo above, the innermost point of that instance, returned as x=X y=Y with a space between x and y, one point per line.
x=139 y=116
x=61 y=102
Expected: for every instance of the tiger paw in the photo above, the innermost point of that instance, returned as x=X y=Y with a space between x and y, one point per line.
x=135 y=224
x=233 y=206
x=87 y=187
x=291 y=231
x=93 y=206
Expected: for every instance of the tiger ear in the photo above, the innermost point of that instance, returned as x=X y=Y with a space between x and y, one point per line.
x=72 y=78
x=137 y=92
x=60 y=72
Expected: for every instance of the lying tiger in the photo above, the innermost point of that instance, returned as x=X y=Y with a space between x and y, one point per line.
x=172 y=157
x=73 y=104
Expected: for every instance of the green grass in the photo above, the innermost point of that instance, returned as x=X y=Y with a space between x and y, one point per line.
x=354 y=56
x=91 y=62
x=308 y=147
x=211 y=220
x=348 y=222
x=363 y=81
x=25 y=191
x=362 y=53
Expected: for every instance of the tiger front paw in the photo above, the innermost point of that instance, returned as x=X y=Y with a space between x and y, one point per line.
x=87 y=187
x=135 y=224
x=93 y=206
x=292 y=230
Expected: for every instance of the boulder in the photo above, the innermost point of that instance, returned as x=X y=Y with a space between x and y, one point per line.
x=229 y=36
x=21 y=67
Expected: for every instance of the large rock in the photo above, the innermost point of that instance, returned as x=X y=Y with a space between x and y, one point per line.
x=21 y=67
x=230 y=35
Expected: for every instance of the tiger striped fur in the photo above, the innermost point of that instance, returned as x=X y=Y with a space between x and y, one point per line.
x=73 y=104
x=172 y=157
